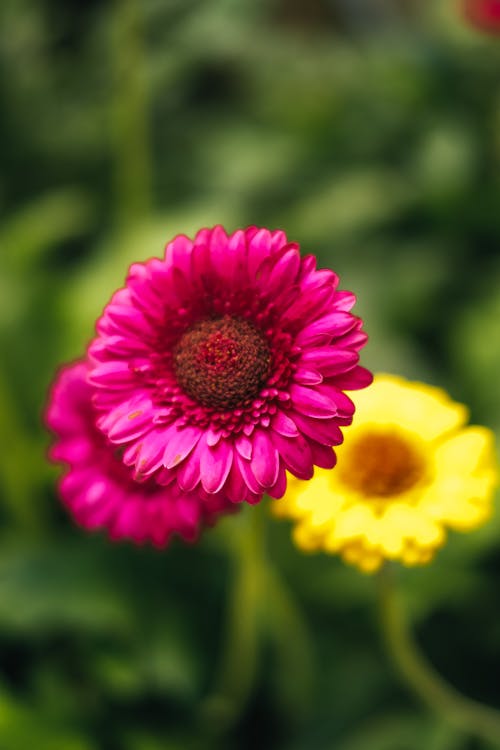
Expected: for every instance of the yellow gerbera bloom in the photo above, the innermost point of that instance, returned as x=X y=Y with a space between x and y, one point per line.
x=407 y=470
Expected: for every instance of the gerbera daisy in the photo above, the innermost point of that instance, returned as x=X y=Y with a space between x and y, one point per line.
x=224 y=364
x=99 y=489
x=408 y=469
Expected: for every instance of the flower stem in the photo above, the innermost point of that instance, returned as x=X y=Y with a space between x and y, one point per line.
x=260 y=608
x=239 y=660
x=459 y=711
x=129 y=110
x=291 y=641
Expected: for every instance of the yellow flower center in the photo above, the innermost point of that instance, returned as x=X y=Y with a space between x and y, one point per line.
x=381 y=464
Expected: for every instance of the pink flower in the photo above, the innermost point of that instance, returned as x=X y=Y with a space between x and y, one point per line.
x=99 y=489
x=223 y=365
x=484 y=14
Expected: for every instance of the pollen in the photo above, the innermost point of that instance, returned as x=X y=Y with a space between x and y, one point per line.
x=222 y=363
x=382 y=464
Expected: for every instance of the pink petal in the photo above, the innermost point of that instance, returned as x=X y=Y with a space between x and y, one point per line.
x=149 y=456
x=215 y=464
x=213 y=436
x=128 y=421
x=285 y=271
x=181 y=442
x=182 y=288
x=237 y=247
x=344 y=405
x=285 y=297
x=344 y=301
x=115 y=374
x=332 y=325
x=259 y=247
x=222 y=260
x=311 y=402
x=307 y=377
x=118 y=346
x=296 y=455
x=279 y=487
x=253 y=498
x=265 y=463
x=163 y=283
x=189 y=473
x=278 y=239
x=72 y=450
x=308 y=306
x=235 y=487
x=247 y=475
x=355 y=339
x=148 y=300
x=326 y=276
x=166 y=477
x=307 y=265
x=323 y=277
x=177 y=253
x=322 y=455
x=284 y=425
x=358 y=377
x=188 y=508
x=126 y=521
x=244 y=446
x=201 y=266
x=129 y=318
x=329 y=360
x=325 y=431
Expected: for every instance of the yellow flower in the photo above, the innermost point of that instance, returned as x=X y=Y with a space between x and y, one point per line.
x=407 y=470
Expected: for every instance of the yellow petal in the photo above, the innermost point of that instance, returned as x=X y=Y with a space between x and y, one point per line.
x=416 y=407
x=416 y=525
x=353 y=522
x=471 y=451
x=388 y=536
x=413 y=555
x=306 y=539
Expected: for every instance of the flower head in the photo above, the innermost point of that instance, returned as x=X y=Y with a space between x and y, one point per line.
x=224 y=364
x=408 y=469
x=99 y=489
x=484 y=14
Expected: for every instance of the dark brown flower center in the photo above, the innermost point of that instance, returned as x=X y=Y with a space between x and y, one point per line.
x=222 y=363
x=381 y=464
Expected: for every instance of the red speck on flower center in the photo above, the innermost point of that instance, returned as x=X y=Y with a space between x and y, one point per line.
x=222 y=363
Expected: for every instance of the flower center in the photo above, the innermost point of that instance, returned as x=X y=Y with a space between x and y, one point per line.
x=222 y=363
x=381 y=464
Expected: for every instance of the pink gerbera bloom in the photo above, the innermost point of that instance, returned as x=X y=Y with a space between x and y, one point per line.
x=99 y=489
x=223 y=365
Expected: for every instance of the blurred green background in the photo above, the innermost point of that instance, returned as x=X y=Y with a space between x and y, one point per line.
x=370 y=131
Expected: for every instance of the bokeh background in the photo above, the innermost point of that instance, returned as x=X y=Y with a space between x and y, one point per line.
x=370 y=131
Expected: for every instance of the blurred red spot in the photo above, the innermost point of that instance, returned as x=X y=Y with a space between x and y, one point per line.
x=483 y=14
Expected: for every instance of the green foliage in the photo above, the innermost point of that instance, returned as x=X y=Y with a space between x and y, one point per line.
x=374 y=143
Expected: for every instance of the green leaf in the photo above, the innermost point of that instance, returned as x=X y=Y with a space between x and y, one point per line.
x=60 y=585
x=23 y=726
x=39 y=226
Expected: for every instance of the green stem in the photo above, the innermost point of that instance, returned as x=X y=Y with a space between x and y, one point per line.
x=130 y=114
x=18 y=450
x=463 y=713
x=259 y=606
x=238 y=665
x=292 y=643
